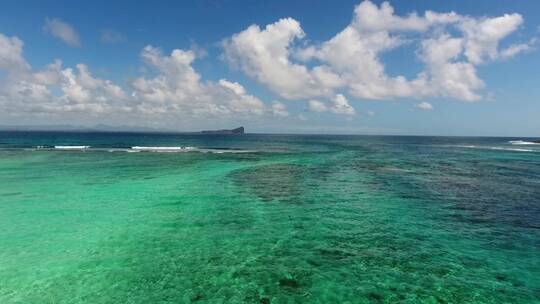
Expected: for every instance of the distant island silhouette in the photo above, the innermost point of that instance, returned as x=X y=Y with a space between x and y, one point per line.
x=239 y=130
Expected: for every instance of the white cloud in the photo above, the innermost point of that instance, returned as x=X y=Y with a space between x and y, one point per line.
x=445 y=76
x=351 y=60
x=424 y=106
x=11 y=57
x=176 y=79
x=516 y=48
x=233 y=86
x=63 y=31
x=264 y=55
x=482 y=36
x=368 y=17
x=316 y=106
x=338 y=105
x=178 y=87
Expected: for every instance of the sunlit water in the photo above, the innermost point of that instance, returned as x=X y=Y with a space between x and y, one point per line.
x=286 y=219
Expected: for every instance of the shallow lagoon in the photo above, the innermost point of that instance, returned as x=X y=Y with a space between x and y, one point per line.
x=292 y=219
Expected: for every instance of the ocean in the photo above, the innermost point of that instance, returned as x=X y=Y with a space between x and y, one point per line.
x=87 y=218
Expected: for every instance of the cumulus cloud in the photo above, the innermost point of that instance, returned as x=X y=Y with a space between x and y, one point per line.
x=450 y=48
x=424 y=106
x=178 y=87
x=445 y=75
x=264 y=55
x=63 y=31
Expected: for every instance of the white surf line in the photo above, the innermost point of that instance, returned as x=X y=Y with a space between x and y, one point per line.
x=71 y=147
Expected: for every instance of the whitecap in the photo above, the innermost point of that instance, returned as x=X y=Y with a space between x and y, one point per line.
x=522 y=142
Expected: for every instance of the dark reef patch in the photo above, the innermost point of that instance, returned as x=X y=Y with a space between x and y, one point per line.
x=289 y=282
x=281 y=182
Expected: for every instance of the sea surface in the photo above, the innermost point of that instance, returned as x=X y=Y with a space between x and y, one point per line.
x=268 y=219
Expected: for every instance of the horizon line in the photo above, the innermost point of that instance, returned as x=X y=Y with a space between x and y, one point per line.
x=158 y=131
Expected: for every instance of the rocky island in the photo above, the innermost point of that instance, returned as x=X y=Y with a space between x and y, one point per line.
x=239 y=130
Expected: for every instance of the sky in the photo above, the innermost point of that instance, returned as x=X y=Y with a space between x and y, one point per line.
x=467 y=68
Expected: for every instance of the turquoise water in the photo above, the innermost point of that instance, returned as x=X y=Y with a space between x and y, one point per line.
x=268 y=219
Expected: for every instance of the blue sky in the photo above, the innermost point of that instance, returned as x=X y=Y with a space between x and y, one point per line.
x=225 y=74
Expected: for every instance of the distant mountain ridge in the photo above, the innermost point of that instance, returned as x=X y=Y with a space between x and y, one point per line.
x=77 y=128
x=107 y=128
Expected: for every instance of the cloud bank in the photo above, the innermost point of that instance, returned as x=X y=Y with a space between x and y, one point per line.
x=450 y=47
x=176 y=89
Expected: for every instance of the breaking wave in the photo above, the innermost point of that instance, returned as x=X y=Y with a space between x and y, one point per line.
x=71 y=147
